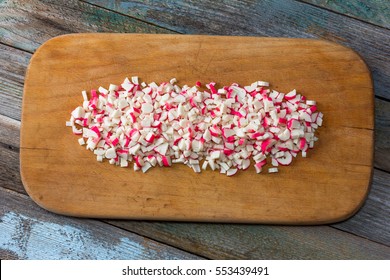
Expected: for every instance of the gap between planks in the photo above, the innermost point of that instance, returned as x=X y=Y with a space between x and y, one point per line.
x=318 y=6
x=129 y=16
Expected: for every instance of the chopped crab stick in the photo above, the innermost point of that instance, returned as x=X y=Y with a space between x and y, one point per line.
x=204 y=127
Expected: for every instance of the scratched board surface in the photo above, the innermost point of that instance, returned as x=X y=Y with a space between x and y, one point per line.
x=65 y=178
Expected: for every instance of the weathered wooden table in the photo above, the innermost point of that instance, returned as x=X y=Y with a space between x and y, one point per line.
x=29 y=232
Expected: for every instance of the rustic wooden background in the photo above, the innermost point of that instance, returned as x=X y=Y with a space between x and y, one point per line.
x=29 y=232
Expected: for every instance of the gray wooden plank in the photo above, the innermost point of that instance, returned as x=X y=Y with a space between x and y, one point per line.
x=277 y=18
x=13 y=65
x=27 y=24
x=10 y=134
x=230 y=241
x=373 y=220
x=376 y=12
x=260 y=241
x=9 y=154
x=382 y=135
x=8 y=255
x=187 y=237
x=29 y=232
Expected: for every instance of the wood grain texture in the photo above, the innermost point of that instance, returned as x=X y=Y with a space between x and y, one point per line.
x=9 y=171
x=187 y=234
x=29 y=232
x=341 y=180
x=9 y=153
x=382 y=135
x=13 y=64
x=275 y=18
x=375 y=228
x=27 y=24
x=376 y=12
x=379 y=198
x=216 y=241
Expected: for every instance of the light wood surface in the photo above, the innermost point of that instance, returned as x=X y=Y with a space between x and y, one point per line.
x=328 y=186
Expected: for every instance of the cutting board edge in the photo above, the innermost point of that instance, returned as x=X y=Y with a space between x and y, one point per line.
x=303 y=222
x=81 y=35
x=341 y=216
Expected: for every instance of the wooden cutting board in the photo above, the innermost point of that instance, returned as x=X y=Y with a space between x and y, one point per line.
x=328 y=186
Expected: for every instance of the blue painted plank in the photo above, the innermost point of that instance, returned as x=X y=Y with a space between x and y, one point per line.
x=372 y=222
x=376 y=12
x=29 y=232
x=27 y=24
